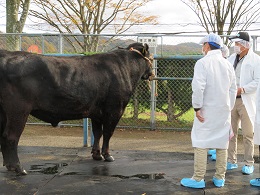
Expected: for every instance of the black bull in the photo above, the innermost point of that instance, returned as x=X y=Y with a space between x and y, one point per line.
x=54 y=89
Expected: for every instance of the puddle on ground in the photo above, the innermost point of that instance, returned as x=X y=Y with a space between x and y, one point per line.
x=52 y=168
x=47 y=168
x=143 y=176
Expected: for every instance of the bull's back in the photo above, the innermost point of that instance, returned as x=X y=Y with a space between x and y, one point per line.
x=23 y=73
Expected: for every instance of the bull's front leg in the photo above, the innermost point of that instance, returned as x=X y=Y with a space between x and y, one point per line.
x=10 y=156
x=108 y=131
x=105 y=150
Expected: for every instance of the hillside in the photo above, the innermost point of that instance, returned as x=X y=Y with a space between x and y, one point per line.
x=50 y=44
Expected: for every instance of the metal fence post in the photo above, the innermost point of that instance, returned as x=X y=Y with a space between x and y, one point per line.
x=152 y=105
x=254 y=44
x=42 y=44
x=153 y=96
x=85 y=132
x=20 y=42
x=60 y=43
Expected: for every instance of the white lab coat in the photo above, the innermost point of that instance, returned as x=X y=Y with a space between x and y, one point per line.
x=214 y=91
x=249 y=78
x=257 y=119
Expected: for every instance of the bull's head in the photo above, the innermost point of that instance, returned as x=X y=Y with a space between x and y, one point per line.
x=143 y=50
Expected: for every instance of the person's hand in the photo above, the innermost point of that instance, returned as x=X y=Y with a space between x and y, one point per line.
x=240 y=91
x=199 y=116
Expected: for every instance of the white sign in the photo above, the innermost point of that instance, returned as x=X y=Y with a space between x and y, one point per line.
x=151 y=41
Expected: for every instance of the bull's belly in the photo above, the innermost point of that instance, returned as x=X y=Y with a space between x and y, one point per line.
x=55 y=118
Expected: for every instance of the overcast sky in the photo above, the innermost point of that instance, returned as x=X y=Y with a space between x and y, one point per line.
x=172 y=12
x=174 y=16
x=179 y=17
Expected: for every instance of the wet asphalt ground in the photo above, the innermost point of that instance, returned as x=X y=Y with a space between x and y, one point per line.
x=57 y=170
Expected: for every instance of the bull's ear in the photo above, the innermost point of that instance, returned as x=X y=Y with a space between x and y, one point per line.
x=146 y=47
x=120 y=47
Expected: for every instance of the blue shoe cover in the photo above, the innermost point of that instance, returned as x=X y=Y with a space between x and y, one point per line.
x=210 y=152
x=218 y=182
x=255 y=182
x=213 y=157
x=246 y=169
x=192 y=183
x=231 y=166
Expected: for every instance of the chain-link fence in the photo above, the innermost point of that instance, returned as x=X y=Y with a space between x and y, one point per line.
x=167 y=105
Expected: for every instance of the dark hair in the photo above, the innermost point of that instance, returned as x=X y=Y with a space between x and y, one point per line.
x=212 y=47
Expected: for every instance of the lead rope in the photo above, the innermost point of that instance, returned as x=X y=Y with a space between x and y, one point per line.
x=151 y=78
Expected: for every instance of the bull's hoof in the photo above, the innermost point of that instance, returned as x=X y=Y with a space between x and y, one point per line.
x=96 y=155
x=108 y=158
x=18 y=169
x=21 y=171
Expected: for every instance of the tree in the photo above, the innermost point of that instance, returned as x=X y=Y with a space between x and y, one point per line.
x=16 y=14
x=90 y=17
x=221 y=16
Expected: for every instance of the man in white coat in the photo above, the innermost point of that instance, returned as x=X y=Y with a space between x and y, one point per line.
x=225 y=54
x=213 y=97
x=247 y=69
x=256 y=182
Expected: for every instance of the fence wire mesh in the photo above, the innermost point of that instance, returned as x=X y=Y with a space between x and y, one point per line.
x=166 y=106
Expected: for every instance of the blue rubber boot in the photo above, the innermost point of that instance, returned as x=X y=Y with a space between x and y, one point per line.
x=246 y=169
x=213 y=157
x=218 y=182
x=192 y=183
x=255 y=182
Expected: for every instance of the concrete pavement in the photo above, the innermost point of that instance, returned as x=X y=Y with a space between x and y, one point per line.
x=56 y=170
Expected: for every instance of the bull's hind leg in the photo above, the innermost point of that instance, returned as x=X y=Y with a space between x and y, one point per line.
x=10 y=138
x=10 y=156
x=97 y=132
x=11 y=160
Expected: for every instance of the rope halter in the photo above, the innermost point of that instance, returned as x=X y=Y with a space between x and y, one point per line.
x=148 y=60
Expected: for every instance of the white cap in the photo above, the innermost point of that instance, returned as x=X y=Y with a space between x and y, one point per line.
x=213 y=38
